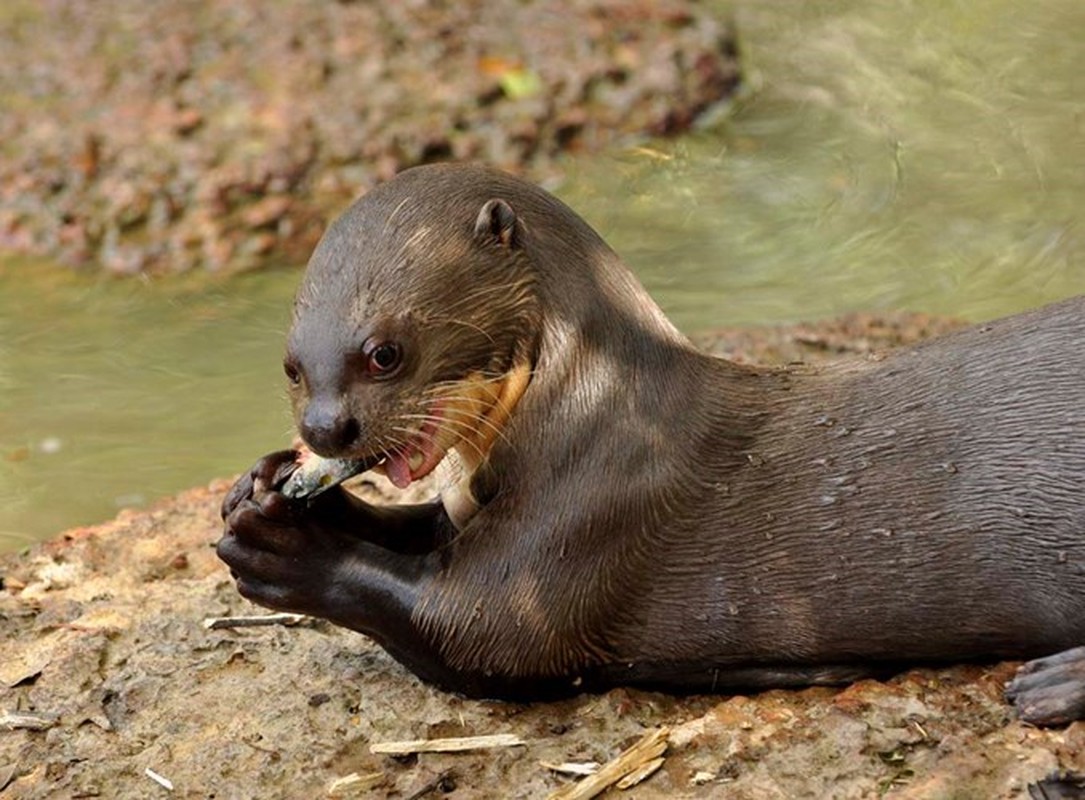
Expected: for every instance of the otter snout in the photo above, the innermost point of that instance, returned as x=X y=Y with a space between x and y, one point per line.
x=328 y=427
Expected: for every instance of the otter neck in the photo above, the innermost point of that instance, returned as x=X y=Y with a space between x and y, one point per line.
x=472 y=451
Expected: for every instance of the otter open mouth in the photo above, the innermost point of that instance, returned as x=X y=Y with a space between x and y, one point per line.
x=423 y=453
x=468 y=416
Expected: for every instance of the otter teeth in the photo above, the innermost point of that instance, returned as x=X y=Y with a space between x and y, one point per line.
x=415 y=461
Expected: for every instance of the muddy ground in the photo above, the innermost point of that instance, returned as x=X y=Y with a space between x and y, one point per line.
x=106 y=671
x=163 y=137
x=160 y=137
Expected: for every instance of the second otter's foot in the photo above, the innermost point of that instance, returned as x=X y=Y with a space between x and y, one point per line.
x=1051 y=690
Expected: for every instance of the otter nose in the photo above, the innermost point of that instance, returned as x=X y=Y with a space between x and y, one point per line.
x=328 y=428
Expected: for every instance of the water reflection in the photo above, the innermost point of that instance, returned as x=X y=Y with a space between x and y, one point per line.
x=924 y=155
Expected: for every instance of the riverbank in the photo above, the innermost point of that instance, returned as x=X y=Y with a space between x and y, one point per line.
x=162 y=138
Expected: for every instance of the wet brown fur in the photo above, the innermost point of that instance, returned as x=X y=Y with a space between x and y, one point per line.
x=656 y=515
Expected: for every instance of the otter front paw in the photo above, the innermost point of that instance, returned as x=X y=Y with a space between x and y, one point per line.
x=1050 y=691
x=318 y=556
x=282 y=554
x=266 y=474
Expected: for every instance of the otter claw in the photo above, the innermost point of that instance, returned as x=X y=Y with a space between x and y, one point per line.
x=1050 y=691
x=317 y=474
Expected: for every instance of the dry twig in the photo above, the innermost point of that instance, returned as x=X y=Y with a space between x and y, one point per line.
x=28 y=720
x=453 y=745
x=578 y=768
x=641 y=773
x=289 y=620
x=649 y=749
x=349 y=785
x=165 y=783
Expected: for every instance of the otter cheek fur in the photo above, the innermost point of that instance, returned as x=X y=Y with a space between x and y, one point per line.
x=636 y=512
x=416 y=367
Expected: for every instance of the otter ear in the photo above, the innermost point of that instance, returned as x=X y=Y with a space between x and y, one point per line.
x=498 y=223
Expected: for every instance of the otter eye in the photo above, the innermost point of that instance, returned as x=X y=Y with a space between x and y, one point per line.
x=292 y=373
x=383 y=358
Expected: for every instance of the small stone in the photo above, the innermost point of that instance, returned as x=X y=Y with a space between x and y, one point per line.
x=267 y=211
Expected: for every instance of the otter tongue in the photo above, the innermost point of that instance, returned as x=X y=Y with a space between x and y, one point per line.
x=398 y=469
x=414 y=462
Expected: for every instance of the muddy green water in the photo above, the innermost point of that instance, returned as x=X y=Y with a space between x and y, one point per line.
x=116 y=392
x=926 y=155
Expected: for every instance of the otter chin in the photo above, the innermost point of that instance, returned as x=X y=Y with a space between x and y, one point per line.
x=632 y=511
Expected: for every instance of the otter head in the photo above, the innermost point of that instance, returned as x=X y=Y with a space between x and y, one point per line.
x=415 y=326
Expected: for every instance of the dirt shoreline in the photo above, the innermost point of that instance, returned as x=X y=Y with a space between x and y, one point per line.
x=162 y=138
x=195 y=134
x=104 y=651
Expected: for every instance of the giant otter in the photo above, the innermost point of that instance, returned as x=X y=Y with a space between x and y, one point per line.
x=636 y=512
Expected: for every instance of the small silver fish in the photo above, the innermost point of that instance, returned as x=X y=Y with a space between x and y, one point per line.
x=318 y=474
